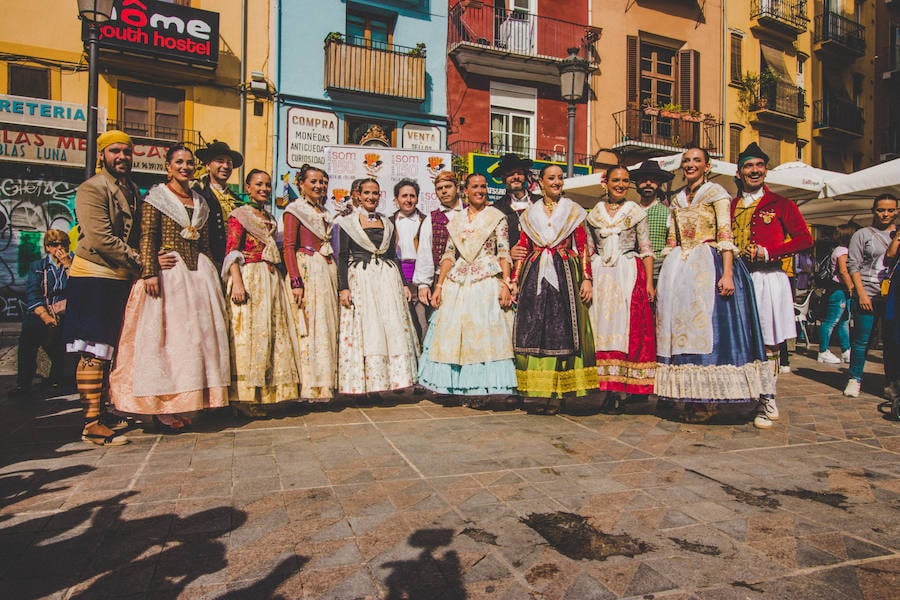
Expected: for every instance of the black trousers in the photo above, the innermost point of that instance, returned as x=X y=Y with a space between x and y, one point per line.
x=37 y=335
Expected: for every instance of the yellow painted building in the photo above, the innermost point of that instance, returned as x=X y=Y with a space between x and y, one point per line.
x=168 y=72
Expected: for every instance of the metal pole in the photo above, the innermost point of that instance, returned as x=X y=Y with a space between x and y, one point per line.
x=90 y=156
x=570 y=155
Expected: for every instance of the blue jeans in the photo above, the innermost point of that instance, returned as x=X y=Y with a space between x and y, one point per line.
x=862 y=331
x=837 y=319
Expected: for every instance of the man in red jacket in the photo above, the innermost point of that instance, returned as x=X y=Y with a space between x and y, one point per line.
x=767 y=227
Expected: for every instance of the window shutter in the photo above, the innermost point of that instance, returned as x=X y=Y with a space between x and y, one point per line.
x=631 y=88
x=689 y=79
x=736 y=66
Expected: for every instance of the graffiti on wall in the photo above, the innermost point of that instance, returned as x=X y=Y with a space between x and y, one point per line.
x=28 y=208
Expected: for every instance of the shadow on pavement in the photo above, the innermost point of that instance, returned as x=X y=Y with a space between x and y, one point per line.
x=426 y=576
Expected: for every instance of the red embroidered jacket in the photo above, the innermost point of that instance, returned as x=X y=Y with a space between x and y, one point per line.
x=774 y=221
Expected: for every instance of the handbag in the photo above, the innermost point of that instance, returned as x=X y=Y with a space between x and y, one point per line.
x=58 y=308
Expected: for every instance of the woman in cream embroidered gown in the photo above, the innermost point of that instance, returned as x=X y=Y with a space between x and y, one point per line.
x=708 y=341
x=264 y=348
x=468 y=347
x=378 y=348
x=312 y=275
x=552 y=335
x=173 y=354
x=621 y=316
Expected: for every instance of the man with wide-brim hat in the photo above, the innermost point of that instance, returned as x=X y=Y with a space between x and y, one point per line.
x=767 y=228
x=220 y=161
x=514 y=171
x=648 y=178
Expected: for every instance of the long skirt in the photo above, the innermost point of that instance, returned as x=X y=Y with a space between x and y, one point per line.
x=264 y=349
x=317 y=327
x=378 y=347
x=624 y=327
x=552 y=336
x=173 y=353
x=468 y=345
x=709 y=347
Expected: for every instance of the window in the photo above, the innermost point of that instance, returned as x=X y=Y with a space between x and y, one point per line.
x=772 y=147
x=370 y=132
x=512 y=118
x=895 y=47
x=734 y=142
x=801 y=68
x=526 y=5
x=737 y=69
x=858 y=79
x=369 y=30
x=801 y=144
x=150 y=111
x=29 y=81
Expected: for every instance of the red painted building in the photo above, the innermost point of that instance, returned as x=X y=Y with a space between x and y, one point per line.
x=503 y=90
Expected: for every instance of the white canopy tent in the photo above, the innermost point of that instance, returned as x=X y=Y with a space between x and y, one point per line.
x=849 y=197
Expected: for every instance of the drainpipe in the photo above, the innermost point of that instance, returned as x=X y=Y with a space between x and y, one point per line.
x=587 y=146
x=243 y=93
x=724 y=76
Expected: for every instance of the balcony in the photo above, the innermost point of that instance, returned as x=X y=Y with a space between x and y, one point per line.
x=152 y=134
x=647 y=135
x=779 y=101
x=782 y=16
x=378 y=70
x=838 y=37
x=558 y=154
x=502 y=44
x=837 y=119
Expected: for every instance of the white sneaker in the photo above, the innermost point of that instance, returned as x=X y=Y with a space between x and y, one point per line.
x=828 y=358
x=845 y=356
x=784 y=369
x=852 y=388
x=766 y=413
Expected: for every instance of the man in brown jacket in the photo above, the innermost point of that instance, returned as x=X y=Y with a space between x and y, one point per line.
x=106 y=261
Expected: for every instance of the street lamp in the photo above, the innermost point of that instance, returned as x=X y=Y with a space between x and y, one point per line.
x=93 y=13
x=573 y=73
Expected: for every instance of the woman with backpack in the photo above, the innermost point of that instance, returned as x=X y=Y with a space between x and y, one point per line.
x=832 y=274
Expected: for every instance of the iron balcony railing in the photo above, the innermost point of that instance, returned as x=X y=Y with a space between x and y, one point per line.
x=782 y=97
x=515 y=31
x=668 y=133
x=838 y=114
x=148 y=131
x=463 y=147
x=838 y=29
x=353 y=65
x=790 y=13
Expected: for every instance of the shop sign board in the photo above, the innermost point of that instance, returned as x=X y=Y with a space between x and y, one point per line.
x=486 y=164
x=421 y=137
x=309 y=133
x=22 y=110
x=161 y=30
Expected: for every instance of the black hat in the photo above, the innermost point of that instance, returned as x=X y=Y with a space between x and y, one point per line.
x=752 y=151
x=650 y=169
x=218 y=148
x=512 y=162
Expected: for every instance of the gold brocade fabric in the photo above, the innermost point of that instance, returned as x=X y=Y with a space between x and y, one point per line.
x=317 y=327
x=159 y=232
x=741 y=225
x=264 y=348
x=696 y=225
x=227 y=201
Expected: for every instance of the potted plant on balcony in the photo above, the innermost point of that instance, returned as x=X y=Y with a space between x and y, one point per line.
x=334 y=37
x=418 y=51
x=670 y=111
x=709 y=119
x=649 y=109
x=694 y=116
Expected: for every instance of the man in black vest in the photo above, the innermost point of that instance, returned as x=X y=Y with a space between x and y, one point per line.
x=515 y=173
x=220 y=161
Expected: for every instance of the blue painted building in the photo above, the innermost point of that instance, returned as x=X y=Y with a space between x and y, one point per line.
x=361 y=72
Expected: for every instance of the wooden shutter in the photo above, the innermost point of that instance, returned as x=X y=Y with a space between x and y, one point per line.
x=736 y=66
x=633 y=83
x=734 y=142
x=689 y=79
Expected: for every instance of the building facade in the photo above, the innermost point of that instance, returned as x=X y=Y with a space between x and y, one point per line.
x=360 y=73
x=887 y=80
x=660 y=85
x=503 y=82
x=169 y=72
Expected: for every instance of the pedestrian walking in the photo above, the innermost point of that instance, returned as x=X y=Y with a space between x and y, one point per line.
x=173 y=354
x=378 y=345
x=552 y=335
x=468 y=348
x=709 y=344
x=264 y=350
x=313 y=279
x=621 y=317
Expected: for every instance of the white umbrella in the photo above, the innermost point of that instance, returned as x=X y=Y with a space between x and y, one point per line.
x=828 y=211
x=586 y=190
x=799 y=181
x=866 y=184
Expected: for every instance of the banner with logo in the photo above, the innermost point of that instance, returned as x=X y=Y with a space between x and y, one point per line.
x=486 y=164
x=344 y=164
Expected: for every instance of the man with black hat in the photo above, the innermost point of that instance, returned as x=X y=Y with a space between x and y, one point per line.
x=647 y=179
x=220 y=161
x=767 y=228
x=514 y=171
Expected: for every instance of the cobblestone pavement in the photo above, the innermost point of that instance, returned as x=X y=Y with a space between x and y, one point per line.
x=416 y=500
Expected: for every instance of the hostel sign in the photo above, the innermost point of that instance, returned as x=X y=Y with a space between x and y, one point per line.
x=162 y=30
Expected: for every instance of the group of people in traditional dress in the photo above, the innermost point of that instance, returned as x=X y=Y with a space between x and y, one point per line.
x=532 y=299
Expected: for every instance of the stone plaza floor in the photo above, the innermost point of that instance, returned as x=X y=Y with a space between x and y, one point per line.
x=420 y=501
